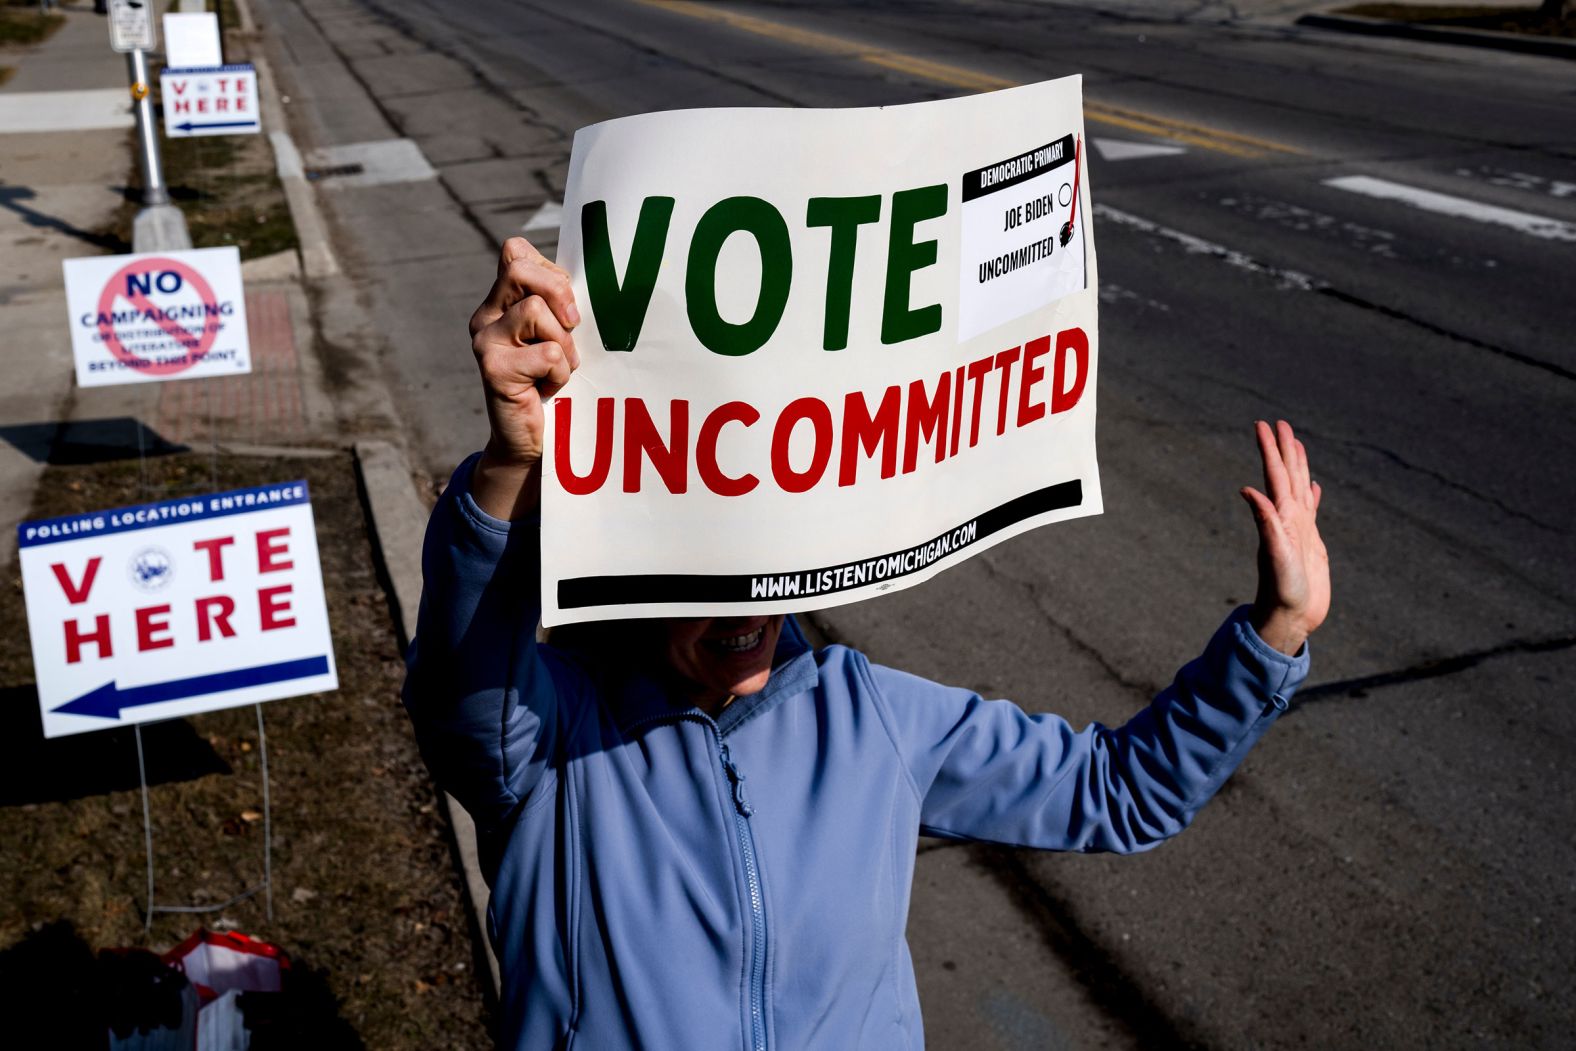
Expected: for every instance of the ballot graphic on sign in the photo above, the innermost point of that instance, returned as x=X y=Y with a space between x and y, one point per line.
x=157 y=316
x=1022 y=244
x=167 y=609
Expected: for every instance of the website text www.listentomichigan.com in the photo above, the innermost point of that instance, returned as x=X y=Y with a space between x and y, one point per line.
x=870 y=570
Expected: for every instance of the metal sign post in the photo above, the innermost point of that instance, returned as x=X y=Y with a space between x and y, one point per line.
x=266 y=887
x=154 y=192
x=160 y=226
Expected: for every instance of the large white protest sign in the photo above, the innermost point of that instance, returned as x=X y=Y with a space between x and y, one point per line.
x=825 y=353
x=157 y=316
x=168 y=609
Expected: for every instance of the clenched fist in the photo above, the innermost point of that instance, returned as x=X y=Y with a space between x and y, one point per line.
x=522 y=338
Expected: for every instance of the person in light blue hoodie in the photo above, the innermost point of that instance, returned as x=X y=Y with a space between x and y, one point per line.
x=700 y=832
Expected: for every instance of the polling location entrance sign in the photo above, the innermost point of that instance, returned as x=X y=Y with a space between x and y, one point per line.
x=825 y=353
x=157 y=316
x=168 y=609
x=217 y=100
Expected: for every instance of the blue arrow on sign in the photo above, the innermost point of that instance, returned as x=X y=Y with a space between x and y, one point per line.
x=189 y=126
x=108 y=701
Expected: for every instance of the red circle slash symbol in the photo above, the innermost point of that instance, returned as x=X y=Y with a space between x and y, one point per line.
x=196 y=344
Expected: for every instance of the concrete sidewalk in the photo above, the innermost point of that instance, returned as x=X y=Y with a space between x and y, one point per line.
x=1313 y=14
x=58 y=191
x=1236 y=11
x=1520 y=43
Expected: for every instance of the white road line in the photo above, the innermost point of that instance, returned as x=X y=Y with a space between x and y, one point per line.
x=1198 y=246
x=65 y=110
x=1457 y=207
x=1520 y=180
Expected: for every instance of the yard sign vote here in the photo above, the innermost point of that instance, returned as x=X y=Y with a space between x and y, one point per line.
x=177 y=607
x=825 y=353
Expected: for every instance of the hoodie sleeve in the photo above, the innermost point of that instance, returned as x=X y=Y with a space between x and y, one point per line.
x=986 y=770
x=484 y=705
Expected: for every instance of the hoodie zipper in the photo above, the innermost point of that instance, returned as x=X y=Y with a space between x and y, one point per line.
x=742 y=811
x=752 y=878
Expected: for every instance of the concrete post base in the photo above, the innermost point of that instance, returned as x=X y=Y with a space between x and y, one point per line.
x=161 y=228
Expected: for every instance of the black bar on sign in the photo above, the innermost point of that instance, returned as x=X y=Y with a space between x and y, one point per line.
x=637 y=589
x=1017 y=169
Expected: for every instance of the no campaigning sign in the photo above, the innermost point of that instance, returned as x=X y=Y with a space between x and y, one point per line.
x=212 y=100
x=168 y=609
x=157 y=316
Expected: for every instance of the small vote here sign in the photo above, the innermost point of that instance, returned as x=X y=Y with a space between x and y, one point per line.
x=168 y=609
x=212 y=100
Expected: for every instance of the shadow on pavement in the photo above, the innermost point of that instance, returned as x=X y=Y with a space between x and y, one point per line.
x=11 y=197
x=78 y=442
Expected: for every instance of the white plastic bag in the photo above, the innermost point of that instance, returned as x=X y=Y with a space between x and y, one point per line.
x=221 y=967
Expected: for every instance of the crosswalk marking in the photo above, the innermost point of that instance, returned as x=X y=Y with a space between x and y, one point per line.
x=65 y=110
x=1457 y=207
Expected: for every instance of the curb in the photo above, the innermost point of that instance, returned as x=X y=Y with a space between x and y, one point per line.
x=1526 y=44
x=317 y=257
x=281 y=266
x=398 y=522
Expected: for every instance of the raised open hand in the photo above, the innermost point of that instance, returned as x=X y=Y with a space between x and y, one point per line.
x=1294 y=569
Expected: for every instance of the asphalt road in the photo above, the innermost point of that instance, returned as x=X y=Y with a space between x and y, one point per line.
x=1393 y=866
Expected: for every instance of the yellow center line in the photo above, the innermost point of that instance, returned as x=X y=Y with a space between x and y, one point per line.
x=1201 y=135
x=1165 y=129
x=1112 y=114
